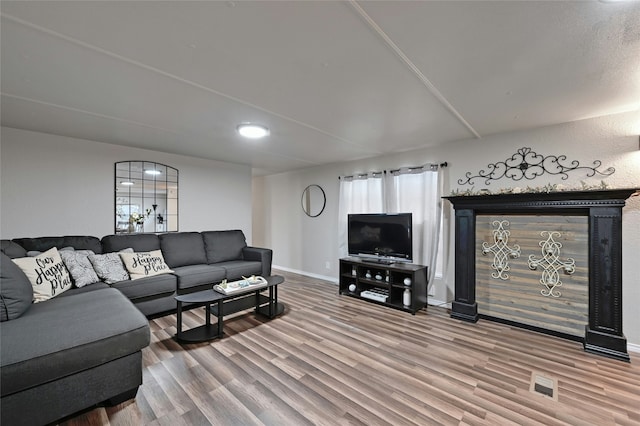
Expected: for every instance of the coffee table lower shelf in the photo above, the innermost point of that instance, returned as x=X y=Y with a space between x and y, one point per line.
x=264 y=310
x=202 y=333
x=242 y=304
x=220 y=305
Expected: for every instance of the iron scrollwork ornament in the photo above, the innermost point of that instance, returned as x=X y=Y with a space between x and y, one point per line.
x=527 y=164
x=501 y=250
x=551 y=264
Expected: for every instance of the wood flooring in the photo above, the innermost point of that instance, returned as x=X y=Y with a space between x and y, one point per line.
x=335 y=360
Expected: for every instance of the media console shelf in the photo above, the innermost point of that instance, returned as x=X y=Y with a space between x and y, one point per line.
x=389 y=279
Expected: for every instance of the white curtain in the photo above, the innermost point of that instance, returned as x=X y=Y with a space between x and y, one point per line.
x=418 y=191
x=358 y=194
x=408 y=190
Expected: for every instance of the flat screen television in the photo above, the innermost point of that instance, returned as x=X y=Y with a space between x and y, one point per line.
x=381 y=237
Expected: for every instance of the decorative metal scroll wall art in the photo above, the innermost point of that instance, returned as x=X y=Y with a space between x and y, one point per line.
x=527 y=164
x=501 y=250
x=551 y=264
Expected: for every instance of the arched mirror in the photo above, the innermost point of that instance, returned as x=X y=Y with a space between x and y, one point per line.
x=313 y=200
x=146 y=197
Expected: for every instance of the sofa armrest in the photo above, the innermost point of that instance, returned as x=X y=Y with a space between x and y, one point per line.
x=262 y=255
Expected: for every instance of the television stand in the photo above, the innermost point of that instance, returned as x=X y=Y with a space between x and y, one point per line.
x=377 y=281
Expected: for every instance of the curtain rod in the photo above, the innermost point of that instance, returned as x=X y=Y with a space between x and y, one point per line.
x=432 y=166
x=361 y=175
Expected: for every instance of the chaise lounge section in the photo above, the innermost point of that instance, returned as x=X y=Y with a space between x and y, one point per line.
x=68 y=353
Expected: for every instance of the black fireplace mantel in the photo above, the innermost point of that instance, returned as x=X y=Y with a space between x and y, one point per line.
x=603 y=334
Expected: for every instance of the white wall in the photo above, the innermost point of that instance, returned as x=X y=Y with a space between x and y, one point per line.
x=306 y=244
x=53 y=185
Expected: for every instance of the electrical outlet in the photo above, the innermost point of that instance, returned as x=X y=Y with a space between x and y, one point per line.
x=327 y=265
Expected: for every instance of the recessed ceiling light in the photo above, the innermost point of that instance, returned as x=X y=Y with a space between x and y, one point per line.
x=126 y=183
x=152 y=172
x=253 y=131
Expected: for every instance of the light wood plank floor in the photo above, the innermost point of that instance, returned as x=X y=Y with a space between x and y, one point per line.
x=333 y=360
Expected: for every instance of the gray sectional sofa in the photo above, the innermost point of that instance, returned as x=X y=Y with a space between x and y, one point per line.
x=83 y=347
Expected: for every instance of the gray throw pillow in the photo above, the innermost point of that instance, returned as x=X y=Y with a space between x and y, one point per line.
x=16 y=292
x=109 y=266
x=79 y=266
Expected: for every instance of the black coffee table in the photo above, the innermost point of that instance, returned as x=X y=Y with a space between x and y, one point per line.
x=219 y=304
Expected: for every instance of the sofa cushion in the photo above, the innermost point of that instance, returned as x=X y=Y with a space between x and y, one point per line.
x=34 y=253
x=16 y=293
x=109 y=266
x=47 y=274
x=196 y=275
x=182 y=249
x=78 y=242
x=237 y=269
x=144 y=264
x=66 y=335
x=41 y=244
x=12 y=249
x=79 y=266
x=87 y=288
x=224 y=245
x=148 y=287
x=83 y=243
x=138 y=242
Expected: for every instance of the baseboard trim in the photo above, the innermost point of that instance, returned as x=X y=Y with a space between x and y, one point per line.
x=631 y=347
x=438 y=303
x=332 y=280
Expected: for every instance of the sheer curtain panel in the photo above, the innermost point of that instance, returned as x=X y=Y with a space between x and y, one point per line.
x=418 y=191
x=358 y=194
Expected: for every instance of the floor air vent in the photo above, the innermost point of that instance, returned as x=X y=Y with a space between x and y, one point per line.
x=544 y=385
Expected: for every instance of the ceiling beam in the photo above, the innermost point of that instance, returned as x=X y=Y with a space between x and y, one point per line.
x=414 y=69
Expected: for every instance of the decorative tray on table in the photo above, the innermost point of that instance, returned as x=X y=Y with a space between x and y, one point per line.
x=243 y=285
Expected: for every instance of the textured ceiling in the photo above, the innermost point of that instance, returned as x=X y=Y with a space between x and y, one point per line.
x=334 y=81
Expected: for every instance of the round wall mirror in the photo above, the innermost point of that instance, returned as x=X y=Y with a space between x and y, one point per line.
x=313 y=200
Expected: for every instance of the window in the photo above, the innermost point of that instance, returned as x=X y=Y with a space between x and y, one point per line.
x=408 y=190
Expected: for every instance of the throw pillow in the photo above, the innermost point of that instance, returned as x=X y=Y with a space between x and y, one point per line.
x=16 y=293
x=47 y=274
x=109 y=267
x=79 y=266
x=145 y=264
